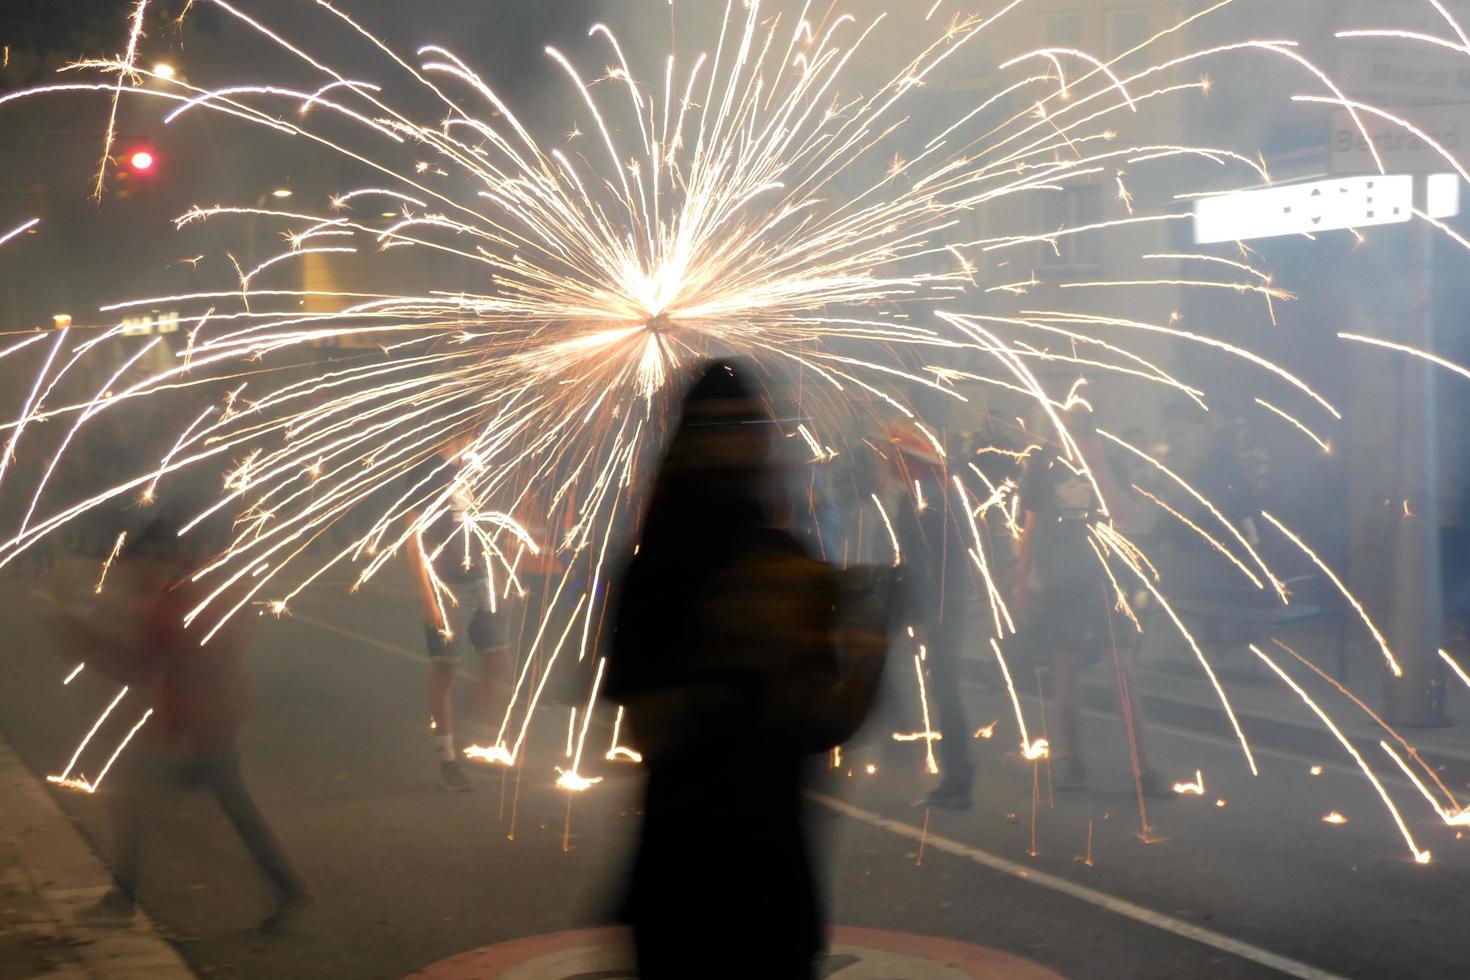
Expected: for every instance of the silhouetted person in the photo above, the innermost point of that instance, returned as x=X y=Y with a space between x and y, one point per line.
x=1065 y=604
x=199 y=696
x=724 y=656
x=934 y=599
x=1229 y=470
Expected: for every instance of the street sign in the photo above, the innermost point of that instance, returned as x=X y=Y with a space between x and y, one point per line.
x=1401 y=150
x=1401 y=76
x=1302 y=209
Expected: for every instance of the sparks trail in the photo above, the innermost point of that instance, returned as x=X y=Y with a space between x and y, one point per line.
x=752 y=192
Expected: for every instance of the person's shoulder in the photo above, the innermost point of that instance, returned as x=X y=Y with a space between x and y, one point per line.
x=779 y=541
x=782 y=557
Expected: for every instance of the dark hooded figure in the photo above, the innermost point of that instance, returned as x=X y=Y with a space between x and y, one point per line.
x=726 y=656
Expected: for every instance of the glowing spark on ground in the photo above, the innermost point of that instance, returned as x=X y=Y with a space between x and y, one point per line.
x=1422 y=857
x=1196 y=788
x=496 y=754
x=88 y=738
x=928 y=735
x=1378 y=720
x=1030 y=750
x=618 y=751
x=1455 y=817
x=91 y=786
x=572 y=782
x=1108 y=539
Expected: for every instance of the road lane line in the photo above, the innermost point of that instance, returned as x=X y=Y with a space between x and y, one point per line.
x=995 y=862
x=360 y=638
x=1091 y=896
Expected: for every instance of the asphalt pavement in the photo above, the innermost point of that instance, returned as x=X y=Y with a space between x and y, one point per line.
x=1243 y=880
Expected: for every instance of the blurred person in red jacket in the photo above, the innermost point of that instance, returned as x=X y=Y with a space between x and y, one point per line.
x=200 y=699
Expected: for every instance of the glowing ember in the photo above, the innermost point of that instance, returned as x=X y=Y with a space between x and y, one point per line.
x=1196 y=788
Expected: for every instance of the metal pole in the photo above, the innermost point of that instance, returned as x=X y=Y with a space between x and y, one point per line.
x=1416 y=620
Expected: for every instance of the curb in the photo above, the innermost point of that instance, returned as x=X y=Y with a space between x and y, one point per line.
x=57 y=866
x=1299 y=737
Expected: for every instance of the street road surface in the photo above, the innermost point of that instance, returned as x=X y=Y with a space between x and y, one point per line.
x=1232 y=882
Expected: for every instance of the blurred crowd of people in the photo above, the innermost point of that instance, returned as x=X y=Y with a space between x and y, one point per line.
x=749 y=634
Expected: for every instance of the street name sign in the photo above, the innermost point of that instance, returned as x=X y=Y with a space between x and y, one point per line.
x=1303 y=209
x=1402 y=151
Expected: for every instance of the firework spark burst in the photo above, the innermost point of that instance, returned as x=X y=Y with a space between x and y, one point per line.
x=755 y=194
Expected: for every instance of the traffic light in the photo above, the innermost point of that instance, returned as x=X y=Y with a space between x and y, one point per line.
x=142 y=161
x=137 y=164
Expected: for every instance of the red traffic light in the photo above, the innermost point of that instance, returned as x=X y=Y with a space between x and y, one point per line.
x=142 y=161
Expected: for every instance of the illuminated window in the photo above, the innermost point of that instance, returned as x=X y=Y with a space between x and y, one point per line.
x=1127 y=29
x=1072 y=207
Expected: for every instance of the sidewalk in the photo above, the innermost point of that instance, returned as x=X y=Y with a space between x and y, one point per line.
x=47 y=873
x=1175 y=691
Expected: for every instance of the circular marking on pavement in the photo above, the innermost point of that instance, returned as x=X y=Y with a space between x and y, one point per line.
x=855 y=954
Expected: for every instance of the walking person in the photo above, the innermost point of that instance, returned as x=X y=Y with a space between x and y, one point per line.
x=456 y=599
x=199 y=698
x=934 y=599
x=734 y=671
x=1065 y=603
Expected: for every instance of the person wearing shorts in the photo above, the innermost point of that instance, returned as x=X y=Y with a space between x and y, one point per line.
x=458 y=606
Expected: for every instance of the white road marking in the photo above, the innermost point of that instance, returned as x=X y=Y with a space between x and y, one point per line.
x=995 y=862
x=1091 y=896
x=360 y=638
